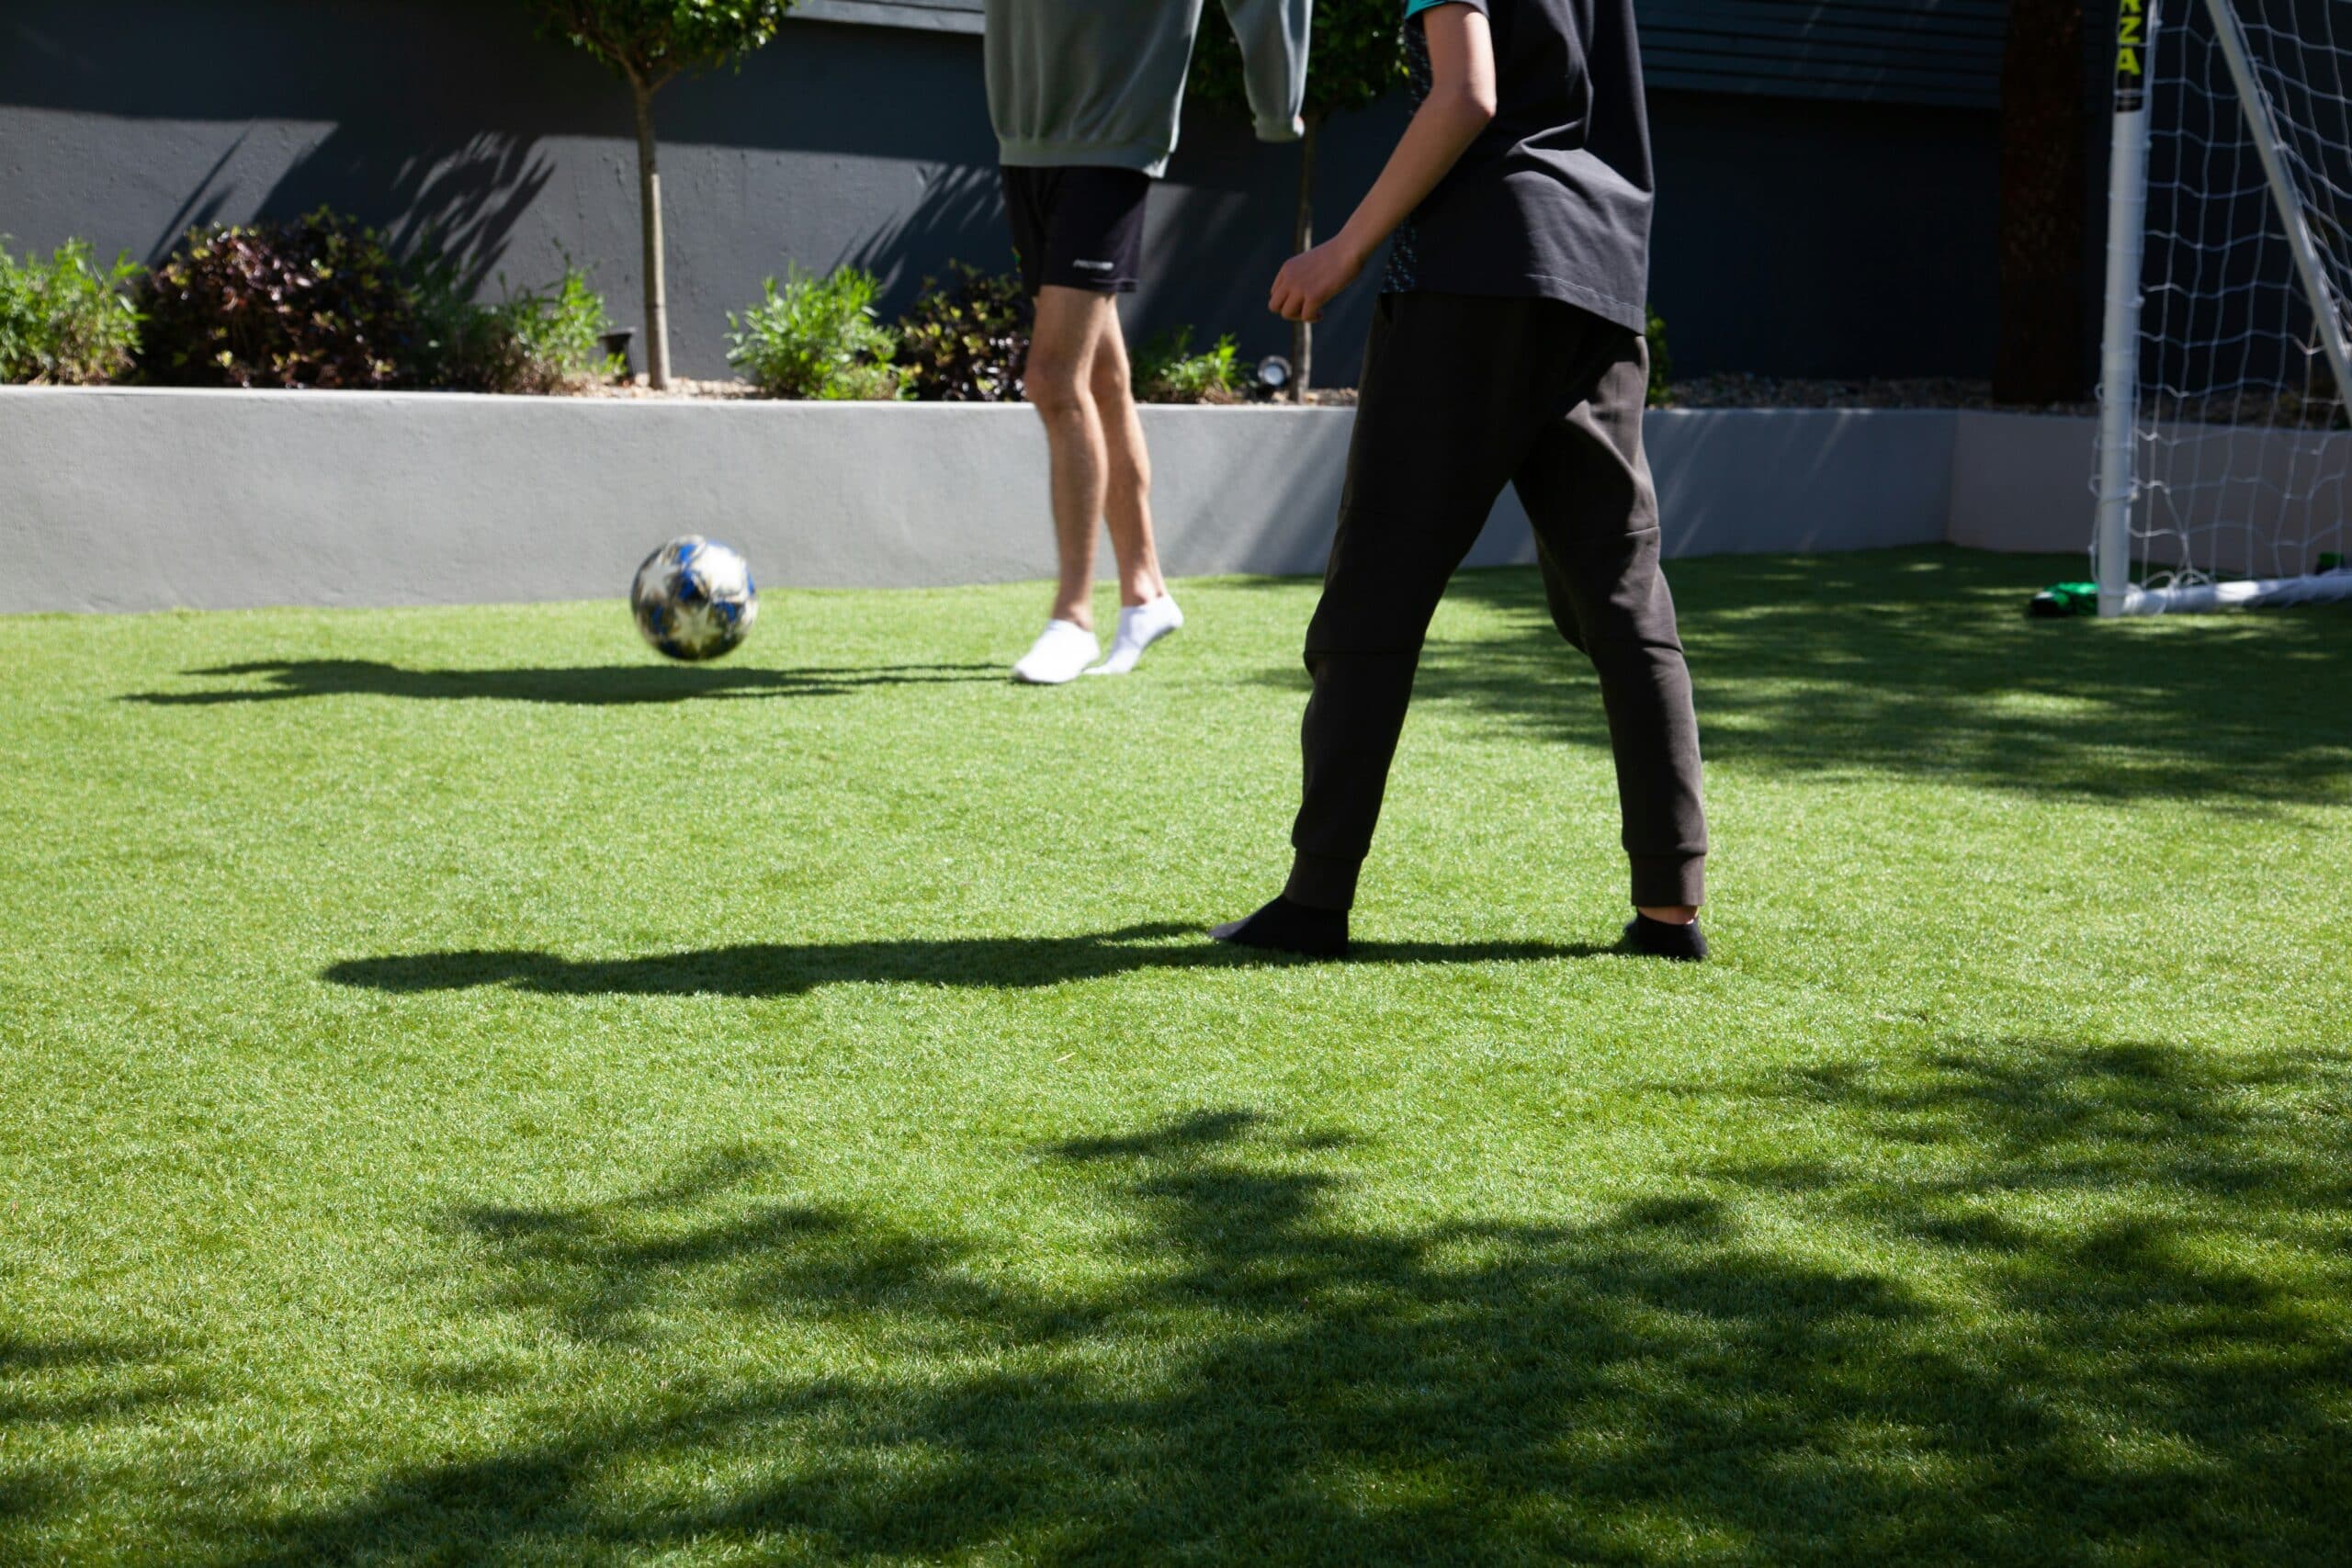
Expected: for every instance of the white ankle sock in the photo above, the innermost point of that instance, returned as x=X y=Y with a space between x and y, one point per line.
x=1140 y=626
x=1060 y=652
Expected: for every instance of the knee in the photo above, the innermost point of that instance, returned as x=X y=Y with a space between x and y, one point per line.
x=1058 y=387
x=1564 y=616
x=1109 y=380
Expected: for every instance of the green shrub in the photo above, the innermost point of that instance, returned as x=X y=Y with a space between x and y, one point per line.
x=534 y=342
x=317 y=302
x=967 y=343
x=1661 y=364
x=817 y=337
x=1166 y=370
x=65 y=322
x=562 y=332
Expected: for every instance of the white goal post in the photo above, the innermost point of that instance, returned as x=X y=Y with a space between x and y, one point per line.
x=2224 y=475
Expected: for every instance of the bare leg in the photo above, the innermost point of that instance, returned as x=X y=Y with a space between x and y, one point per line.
x=1062 y=351
x=1127 y=492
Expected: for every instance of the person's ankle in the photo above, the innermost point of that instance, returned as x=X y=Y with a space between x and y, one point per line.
x=1322 y=882
x=1668 y=914
x=1666 y=939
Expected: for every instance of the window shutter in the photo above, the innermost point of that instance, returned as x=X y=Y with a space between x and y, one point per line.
x=1894 y=52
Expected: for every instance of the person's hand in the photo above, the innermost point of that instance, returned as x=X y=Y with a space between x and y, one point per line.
x=1309 y=281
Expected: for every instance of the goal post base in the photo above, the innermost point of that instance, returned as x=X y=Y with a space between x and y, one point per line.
x=2246 y=594
x=2064 y=599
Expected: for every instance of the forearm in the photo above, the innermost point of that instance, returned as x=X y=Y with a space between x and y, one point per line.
x=1461 y=104
x=1441 y=130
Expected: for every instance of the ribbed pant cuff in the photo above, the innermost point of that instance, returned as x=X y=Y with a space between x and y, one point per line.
x=1662 y=881
x=1322 y=882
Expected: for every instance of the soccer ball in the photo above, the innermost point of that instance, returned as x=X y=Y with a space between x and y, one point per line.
x=694 y=598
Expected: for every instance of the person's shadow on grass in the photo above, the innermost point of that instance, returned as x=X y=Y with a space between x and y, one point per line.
x=786 y=969
x=588 y=685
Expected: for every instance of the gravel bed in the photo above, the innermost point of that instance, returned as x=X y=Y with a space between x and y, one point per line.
x=679 y=390
x=684 y=391
x=1727 y=391
x=1736 y=391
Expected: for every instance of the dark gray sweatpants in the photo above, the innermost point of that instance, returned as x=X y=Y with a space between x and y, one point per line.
x=1463 y=394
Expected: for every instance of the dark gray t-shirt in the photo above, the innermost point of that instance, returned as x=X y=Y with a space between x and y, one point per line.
x=1552 y=200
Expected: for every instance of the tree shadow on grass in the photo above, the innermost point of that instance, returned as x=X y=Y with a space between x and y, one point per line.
x=79 y=1384
x=1921 y=664
x=788 y=969
x=595 y=685
x=2125 y=1362
x=82 y=1378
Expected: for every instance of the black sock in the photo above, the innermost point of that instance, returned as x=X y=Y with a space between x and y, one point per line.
x=1284 y=926
x=1660 y=940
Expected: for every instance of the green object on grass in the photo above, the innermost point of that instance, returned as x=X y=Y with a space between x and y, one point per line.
x=2331 y=560
x=2065 y=599
x=472 y=1093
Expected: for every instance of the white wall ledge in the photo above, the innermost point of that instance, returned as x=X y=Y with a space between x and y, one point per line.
x=134 y=498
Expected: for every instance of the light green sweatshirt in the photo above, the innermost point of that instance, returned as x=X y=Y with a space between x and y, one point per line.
x=1100 y=82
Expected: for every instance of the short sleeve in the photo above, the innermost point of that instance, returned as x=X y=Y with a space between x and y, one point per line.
x=1415 y=8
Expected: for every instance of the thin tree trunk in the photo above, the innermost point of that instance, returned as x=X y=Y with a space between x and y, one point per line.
x=1302 y=333
x=648 y=197
x=2039 y=357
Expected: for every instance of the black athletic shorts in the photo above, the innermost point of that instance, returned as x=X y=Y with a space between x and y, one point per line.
x=1077 y=226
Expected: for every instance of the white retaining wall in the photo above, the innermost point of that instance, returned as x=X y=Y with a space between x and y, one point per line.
x=2261 y=500
x=141 y=500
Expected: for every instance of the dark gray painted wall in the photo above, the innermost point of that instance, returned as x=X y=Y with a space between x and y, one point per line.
x=1896 y=51
x=1794 y=237
x=1825 y=238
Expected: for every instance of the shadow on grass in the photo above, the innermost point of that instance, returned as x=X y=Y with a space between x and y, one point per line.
x=594 y=685
x=782 y=969
x=2015 y=1303
x=80 y=1385
x=81 y=1378
x=1920 y=662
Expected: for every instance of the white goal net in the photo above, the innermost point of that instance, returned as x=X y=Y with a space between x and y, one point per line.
x=2225 y=460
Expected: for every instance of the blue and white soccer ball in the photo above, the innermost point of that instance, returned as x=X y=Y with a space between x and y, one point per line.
x=694 y=598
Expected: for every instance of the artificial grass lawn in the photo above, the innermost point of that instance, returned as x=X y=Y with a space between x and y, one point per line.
x=468 y=1093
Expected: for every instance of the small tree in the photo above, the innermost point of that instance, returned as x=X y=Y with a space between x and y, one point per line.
x=1356 y=56
x=648 y=44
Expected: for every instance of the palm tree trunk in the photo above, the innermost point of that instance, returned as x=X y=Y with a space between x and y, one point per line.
x=648 y=197
x=1302 y=333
